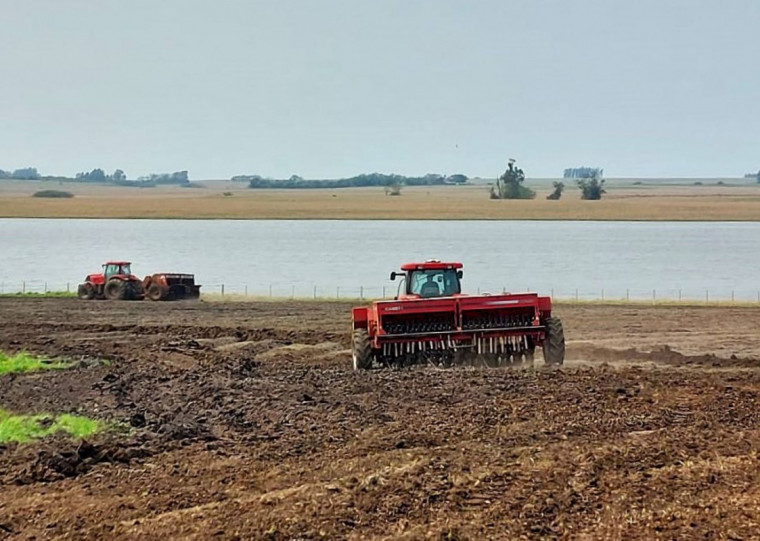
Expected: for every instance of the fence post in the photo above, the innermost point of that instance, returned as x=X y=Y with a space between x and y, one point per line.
x=246 y=290
x=627 y=295
x=707 y=295
x=315 y=292
x=602 y=294
x=45 y=291
x=361 y=292
x=222 y=290
x=23 y=287
x=552 y=292
x=68 y=287
x=576 y=295
x=270 y=290
x=654 y=296
x=383 y=291
x=732 y=296
x=679 y=295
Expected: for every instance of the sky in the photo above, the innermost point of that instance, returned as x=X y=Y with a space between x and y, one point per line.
x=334 y=88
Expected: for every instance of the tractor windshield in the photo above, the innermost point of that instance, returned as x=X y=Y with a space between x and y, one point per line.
x=434 y=282
x=112 y=269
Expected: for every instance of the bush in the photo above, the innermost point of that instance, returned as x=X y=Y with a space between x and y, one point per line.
x=509 y=185
x=591 y=188
x=557 y=193
x=53 y=193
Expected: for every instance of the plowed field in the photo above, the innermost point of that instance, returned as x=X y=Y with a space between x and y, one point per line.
x=245 y=420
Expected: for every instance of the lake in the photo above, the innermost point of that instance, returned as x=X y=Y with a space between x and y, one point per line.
x=348 y=258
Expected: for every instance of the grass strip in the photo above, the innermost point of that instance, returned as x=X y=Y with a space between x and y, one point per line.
x=38 y=295
x=25 y=428
x=23 y=362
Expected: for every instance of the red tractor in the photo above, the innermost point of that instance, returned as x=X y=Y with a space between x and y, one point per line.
x=116 y=282
x=432 y=321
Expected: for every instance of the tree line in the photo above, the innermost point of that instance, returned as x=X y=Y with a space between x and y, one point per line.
x=98 y=175
x=26 y=173
x=358 y=181
x=583 y=172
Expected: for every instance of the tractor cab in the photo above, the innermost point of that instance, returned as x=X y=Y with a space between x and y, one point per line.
x=430 y=279
x=116 y=268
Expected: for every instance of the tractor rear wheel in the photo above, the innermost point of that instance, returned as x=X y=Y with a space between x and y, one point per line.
x=554 y=343
x=155 y=292
x=115 y=290
x=362 y=350
x=86 y=292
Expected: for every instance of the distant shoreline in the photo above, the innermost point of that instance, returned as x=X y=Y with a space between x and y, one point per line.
x=737 y=200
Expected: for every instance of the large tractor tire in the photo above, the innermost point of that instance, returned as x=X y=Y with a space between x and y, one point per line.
x=554 y=343
x=156 y=292
x=86 y=292
x=115 y=290
x=362 y=350
x=133 y=291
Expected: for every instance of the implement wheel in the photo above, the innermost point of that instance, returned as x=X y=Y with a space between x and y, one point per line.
x=155 y=292
x=362 y=350
x=554 y=343
x=86 y=292
x=115 y=290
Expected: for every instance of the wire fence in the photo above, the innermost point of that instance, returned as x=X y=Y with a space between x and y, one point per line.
x=311 y=291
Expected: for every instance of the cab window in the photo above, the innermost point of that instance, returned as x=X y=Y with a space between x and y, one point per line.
x=434 y=283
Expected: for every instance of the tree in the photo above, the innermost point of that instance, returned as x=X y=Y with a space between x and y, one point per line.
x=591 y=188
x=758 y=175
x=26 y=173
x=557 y=193
x=509 y=185
x=96 y=175
x=457 y=179
x=118 y=176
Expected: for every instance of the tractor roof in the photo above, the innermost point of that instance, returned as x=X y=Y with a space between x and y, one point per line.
x=431 y=264
x=117 y=263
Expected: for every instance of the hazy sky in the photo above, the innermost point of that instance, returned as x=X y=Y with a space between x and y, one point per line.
x=335 y=88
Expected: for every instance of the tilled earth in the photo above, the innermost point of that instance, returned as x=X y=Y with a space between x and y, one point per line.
x=245 y=420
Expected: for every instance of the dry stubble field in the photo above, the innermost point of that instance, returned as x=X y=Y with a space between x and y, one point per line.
x=247 y=422
x=625 y=201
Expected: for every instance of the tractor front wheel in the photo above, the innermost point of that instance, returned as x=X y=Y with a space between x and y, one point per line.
x=362 y=350
x=86 y=292
x=554 y=343
x=115 y=290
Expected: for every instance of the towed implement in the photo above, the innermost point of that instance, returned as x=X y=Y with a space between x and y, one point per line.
x=171 y=286
x=432 y=321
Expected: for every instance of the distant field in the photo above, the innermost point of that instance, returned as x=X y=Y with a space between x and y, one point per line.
x=627 y=199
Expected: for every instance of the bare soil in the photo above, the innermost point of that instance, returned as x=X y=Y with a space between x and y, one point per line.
x=245 y=420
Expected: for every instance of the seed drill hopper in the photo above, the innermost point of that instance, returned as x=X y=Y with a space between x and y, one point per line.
x=432 y=321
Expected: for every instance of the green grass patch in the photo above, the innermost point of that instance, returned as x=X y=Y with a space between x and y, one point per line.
x=23 y=362
x=25 y=428
x=40 y=295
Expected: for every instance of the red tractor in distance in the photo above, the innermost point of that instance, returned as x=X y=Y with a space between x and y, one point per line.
x=116 y=282
x=432 y=321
